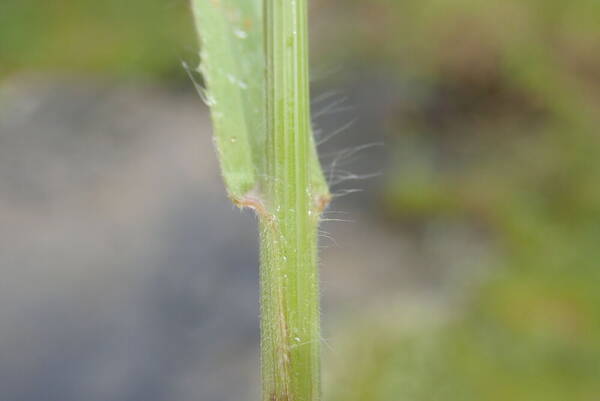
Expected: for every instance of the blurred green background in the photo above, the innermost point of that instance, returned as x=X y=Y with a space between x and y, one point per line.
x=492 y=124
x=112 y=38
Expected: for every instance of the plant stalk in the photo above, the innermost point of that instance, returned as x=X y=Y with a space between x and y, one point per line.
x=254 y=59
x=290 y=326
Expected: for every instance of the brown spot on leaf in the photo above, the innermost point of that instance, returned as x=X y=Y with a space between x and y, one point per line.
x=251 y=202
x=280 y=397
x=322 y=202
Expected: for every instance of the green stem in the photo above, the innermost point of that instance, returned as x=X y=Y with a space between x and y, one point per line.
x=255 y=63
x=290 y=327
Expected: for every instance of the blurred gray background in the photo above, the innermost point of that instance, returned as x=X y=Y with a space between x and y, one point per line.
x=127 y=273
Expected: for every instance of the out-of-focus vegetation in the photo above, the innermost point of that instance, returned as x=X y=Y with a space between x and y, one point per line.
x=498 y=129
x=132 y=38
x=504 y=136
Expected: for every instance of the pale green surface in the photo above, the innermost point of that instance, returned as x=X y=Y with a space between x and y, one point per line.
x=232 y=65
x=258 y=92
x=290 y=295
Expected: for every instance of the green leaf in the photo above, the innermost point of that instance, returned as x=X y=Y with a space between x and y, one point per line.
x=232 y=63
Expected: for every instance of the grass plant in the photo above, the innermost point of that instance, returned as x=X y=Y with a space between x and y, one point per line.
x=254 y=59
